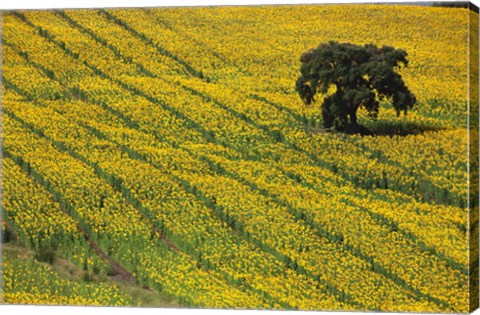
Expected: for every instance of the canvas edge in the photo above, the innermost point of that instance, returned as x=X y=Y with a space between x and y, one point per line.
x=473 y=155
x=1 y=155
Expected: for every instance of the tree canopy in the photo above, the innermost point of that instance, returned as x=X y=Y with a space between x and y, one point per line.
x=350 y=76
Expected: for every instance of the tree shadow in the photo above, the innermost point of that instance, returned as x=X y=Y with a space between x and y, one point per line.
x=394 y=128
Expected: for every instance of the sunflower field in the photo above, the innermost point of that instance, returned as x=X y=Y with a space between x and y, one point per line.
x=168 y=147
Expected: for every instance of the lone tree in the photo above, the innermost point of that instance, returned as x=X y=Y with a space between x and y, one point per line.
x=350 y=76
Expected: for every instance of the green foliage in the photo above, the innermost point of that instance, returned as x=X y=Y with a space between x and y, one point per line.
x=6 y=235
x=46 y=254
x=360 y=76
x=88 y=278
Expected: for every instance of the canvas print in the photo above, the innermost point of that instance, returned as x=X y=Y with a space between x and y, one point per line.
x=290 y=157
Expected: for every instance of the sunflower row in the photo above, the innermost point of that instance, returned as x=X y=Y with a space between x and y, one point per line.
x=207 y=239
x=40 y=222
x=148 y=197
x=30 y=112
x=298 y=28
x=119 y=229
x=340 y=223
x=361 y=172
x=160 y=95
x=25 y=281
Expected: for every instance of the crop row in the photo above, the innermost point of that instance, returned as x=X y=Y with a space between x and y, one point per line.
x=26 y=281
x=115 y=226
x=40 y=222
x=193 y=228
x=424 y=186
